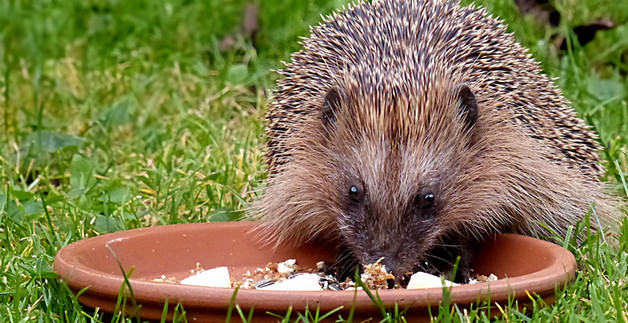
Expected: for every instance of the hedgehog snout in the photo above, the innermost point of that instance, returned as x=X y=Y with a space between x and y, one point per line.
x=394 y=264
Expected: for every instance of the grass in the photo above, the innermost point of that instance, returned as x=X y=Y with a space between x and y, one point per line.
x=123 y=114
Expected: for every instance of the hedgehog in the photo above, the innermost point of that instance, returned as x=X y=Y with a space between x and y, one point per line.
x=414 y=130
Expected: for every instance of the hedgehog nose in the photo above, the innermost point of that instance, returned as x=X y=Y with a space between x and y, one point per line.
x=401 y=277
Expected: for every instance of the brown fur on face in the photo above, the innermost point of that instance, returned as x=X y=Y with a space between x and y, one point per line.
x=374 y=102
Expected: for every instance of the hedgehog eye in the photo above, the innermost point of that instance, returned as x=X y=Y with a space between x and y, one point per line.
x=428 y=200
x=354 y=193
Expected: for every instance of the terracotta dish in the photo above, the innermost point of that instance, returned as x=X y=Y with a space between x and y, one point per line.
x=523 y=265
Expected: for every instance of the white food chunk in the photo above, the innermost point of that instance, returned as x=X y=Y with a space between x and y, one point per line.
x=215 y=277
x=287 y=266
x=425 y=280
x=303 y=282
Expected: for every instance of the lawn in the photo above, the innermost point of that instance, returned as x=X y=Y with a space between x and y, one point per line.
x=124 y=114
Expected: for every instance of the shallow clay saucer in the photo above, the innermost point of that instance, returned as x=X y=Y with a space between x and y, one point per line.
x=523 y=265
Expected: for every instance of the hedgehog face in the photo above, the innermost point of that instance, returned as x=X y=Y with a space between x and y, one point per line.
x=391 y=182
x=383 y=214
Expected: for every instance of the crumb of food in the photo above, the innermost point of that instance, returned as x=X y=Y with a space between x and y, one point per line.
x=488 y=278
x=483 y=278
x=215 y=277
x=287 y=267
x=348 y=283
x=165 y=279
x=375 y=275
x=198 y=269
x=425 y=280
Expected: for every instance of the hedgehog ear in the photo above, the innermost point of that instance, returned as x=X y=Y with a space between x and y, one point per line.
x=331 y=105
x=467 y=104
